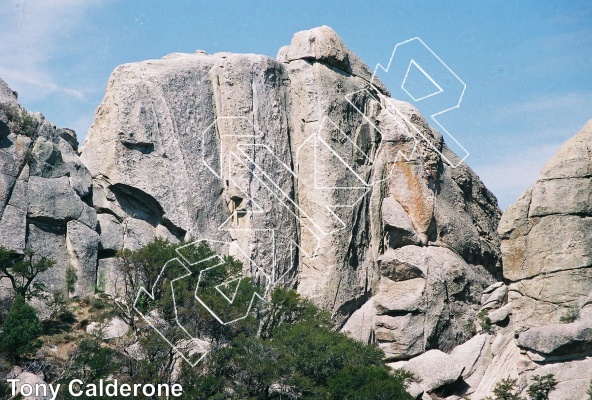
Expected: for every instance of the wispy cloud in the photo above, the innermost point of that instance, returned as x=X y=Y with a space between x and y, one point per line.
x=508 y=176
x=31 y=33
x=548 y=103
x=527 y=135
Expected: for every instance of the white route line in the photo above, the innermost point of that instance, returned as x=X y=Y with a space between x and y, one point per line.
x=433 y=116
x=243 y=158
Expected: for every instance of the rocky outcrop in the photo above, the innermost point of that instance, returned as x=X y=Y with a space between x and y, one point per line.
x=297 y=162
x=319 y=181
x=540 y=321
x=45 y=195
x=547 y=243
x=547 y=258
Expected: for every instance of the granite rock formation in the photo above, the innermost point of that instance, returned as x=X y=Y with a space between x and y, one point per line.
x=547 y=260
x=318 y=181
x=273 y=156
x=45 y=195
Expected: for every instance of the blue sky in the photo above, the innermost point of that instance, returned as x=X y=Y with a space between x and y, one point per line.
x=526 y=64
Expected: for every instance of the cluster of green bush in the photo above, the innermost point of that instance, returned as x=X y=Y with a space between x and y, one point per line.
x=19 y=120
x=286 y=348
x=539 y=389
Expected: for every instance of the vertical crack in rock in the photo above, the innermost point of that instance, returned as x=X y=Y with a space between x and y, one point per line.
x=411 y=261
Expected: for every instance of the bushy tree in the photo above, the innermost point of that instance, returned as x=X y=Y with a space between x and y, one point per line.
x=21 y=330
x=286 y=348
x=541 y=386
x=297 y=355
x=141 y=268
x=22 y=269
x=90 y=362
x=173 y=292
x=71 y=278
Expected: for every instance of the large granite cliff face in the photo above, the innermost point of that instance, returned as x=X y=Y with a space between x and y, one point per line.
x=319 y=182
x=270 y=155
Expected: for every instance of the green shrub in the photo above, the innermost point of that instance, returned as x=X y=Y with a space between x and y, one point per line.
x=71 y=278
x=21 y=270
x=570 y=315
x=541 y=386
x=61 y=322
x=298 y=356
x=21 y=330
x=405 y=376
x=20 y=121
x=485 y=322
x=285 y=348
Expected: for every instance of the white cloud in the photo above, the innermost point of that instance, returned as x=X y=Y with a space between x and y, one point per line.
x=31 y=33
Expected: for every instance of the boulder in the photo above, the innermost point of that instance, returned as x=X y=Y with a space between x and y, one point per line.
x=475 y=356
x=434 y=369
x=53 y=200
x=398 y=226
x=174 y=139
x=34 y=381
x=396 y=297
x=360 y=325
x=115 y=328
x=573 y=378
x=396 y=265
x=7 y=95
x=13 y=228
x=547 y=263
x=316 y=177
x=137 y=233
x=110 y=277
x=559 y=339
x=49 y=241
x=502 y=362
x=500 y=315
x=430 y=304
x=111 y=233
x=494 y=296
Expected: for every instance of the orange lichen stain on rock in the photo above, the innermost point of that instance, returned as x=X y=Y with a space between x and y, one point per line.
x=408 y=188
x=514 y=254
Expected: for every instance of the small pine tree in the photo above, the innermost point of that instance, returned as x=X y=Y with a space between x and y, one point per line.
x=590 y=391
x=21 y=330
x=505 y=390
x=541 y=386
